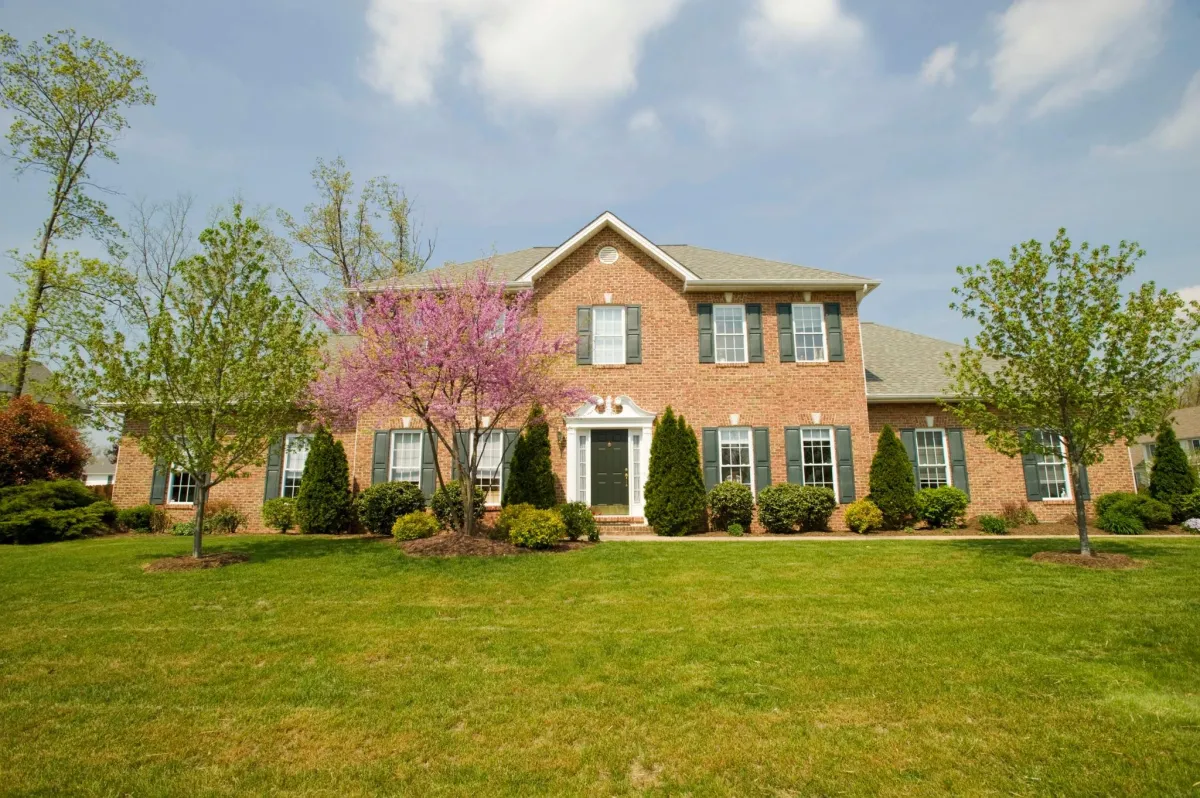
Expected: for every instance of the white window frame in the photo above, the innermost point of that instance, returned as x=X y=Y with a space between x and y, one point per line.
x=721 y=454
x=283 y=469
x=1148 y=450
x=945 y=454
x=1044 y=461
x=797 y=333
x=833 y=463
x=595 y=335
x=745 y=337
x=172 y=475
x=393 y=468
x=496 y=433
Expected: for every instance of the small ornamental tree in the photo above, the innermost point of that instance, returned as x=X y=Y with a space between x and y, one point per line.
x=893 y=488
x=38 y=443
x=465 y=358
x=531 y=479
x=1062 y=352
x=674 y=490
x=1171 y=474
x=324 y=506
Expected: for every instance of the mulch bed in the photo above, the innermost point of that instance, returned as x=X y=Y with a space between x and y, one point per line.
x=454 y=545
x=1105 y=561
x=187 y=562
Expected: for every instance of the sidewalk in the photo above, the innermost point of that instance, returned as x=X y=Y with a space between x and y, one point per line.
x=815 y=538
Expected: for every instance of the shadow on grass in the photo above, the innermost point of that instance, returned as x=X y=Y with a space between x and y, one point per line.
x=1001 y=548
x=265 y=548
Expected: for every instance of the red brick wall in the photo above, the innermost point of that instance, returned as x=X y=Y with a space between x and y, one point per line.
x=994 y=478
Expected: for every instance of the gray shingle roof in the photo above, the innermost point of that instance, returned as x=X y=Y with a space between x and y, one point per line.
x=904 y=364
x=707 y=264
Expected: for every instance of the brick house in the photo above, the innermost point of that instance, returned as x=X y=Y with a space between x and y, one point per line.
x=768 y=361
x=1186 y=422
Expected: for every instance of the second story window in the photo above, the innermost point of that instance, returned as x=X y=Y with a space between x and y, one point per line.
x=729 y=333
x=608 y=341
x=808 y=323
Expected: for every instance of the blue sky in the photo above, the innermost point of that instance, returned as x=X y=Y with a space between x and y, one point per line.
x=893 y=140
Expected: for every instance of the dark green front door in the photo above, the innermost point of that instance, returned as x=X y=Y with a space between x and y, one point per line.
x=610 y=471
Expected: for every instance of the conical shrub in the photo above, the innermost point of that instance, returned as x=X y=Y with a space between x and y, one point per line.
x=531 y=478
x=1171 y=474
x=324 y=506
x=893 y=489
x=674 y=490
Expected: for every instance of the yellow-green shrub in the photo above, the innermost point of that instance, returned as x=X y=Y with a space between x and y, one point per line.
x=414 y=526
x=537 y=529
x=863 y=516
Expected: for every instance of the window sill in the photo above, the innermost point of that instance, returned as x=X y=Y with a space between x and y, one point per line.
x=1068 y=500
x=811 y=362
x=180 y=504
x=733 y=365
x=610 y=365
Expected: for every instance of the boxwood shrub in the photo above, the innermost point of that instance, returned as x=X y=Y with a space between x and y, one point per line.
x=279 y=514
x=731 y=503
x=380 y=505
x=537 y=529
x=863 y=516
x=138 y=519
x=447 y=505
x=942 y=507
x=1116 y=508
x=414 y=525
x=579 y=521
x=789 y=508
x=993 y=525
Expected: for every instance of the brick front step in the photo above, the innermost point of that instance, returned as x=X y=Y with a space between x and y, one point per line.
x=622 y=525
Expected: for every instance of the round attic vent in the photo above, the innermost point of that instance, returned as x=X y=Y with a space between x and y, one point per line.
x=607 y=255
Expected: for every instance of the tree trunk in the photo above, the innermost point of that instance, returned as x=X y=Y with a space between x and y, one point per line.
x=1085 y=545
x=31 y=320
x=198 y=531
x=467 y=485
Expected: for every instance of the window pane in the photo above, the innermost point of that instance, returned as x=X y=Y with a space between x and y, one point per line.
x=608 y=337
x=582 y=486
x=735 y=455
x=406 y=457
x=729 y=333
x=816 y=452
x=635 y=442
x=931 y=459
x=182 y=489
x=294 y=458
x=487 y=477
x=808 y=323
x=1052 y=470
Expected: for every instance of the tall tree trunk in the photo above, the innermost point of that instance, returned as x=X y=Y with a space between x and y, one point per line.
x=1085 y=545
x=198 y=531
x=467 y=485
x=32 y=314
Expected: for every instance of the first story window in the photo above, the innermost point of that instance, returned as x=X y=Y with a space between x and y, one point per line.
x=1052 y=468
x=490 y=468
x=636 y=445
x=933 y=466
x=583 y=474
x=608 y=338
x=736 y=462
x=1150 y=449
x=182 y=488
x=808 y=324
x=295 y=455
x=406 y=457
x=816 y=453
x=729 y=333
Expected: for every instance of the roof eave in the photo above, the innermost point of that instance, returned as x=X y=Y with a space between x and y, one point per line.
x=909 y=398
x=860 y=287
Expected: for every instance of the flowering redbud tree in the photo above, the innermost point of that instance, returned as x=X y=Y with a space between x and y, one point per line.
x=463 y=358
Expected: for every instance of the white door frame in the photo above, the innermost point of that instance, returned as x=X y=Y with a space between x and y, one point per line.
x=604 y=414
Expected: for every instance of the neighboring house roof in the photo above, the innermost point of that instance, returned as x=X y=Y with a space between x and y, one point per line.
x=35 y=373
x=700 y=269
x=99 y=470
x=1186 y=422
x=903 y=366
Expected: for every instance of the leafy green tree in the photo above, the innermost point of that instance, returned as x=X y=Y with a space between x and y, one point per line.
x=1062 y=350
x=1171 y=474
x=893 y=488
x=217 y=365
x=324 y=506
x=531 y=479
x=675 y=498
x=67 y=95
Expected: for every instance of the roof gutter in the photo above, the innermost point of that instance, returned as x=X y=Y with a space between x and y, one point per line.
x=909 y=398
x=860 y=287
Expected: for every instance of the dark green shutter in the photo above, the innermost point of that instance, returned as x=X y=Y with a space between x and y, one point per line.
x=762 y=457
x=158 y=483
x=958 y=461
x=754 y=332
x=909 y=438
x=583 y=336
x=381 y=457
x=1033 y=485
x=845 y=464
x=787 y=339
x=274 y=469
x=707 y=353
x=510 y=446
x=462 y=451
x=791 y=445
x=428 y=466
x=833 y=332
x=711 y=452
x=633 y=333
x=1084 y=488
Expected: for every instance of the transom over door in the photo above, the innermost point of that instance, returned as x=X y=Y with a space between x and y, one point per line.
x=610 y=471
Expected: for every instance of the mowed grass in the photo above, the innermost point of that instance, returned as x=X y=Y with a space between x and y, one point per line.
x=343 y=667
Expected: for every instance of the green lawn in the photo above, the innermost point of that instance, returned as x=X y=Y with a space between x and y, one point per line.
x=342 y=667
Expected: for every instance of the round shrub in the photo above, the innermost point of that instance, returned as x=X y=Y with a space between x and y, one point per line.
x=136 y=519
x=779 y=508
x=863 y=516
x=1017 y=514
x=1151 y=513
x=537 y=529
x=731 y=503
x=447 y=505
x=993 y=525
x=1119 y=521
x=736 y=530
x=380 y=505
x=1185 y=506
x=816 y=507
x=279 y=514
x=579 y=521
x=942 y=507
x=507 y=516
x=415 y=525
x=184 y=529
x=225 y=519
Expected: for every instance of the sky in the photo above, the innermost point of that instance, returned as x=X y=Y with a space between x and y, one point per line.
x=891 y=140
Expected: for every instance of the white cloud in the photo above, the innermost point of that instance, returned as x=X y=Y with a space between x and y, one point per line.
x=1177 y=132
x=1054 y=53
x=816 y=23
x=939 y=66
x=530 y=53
x=1190 y=294
x=645 y=121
